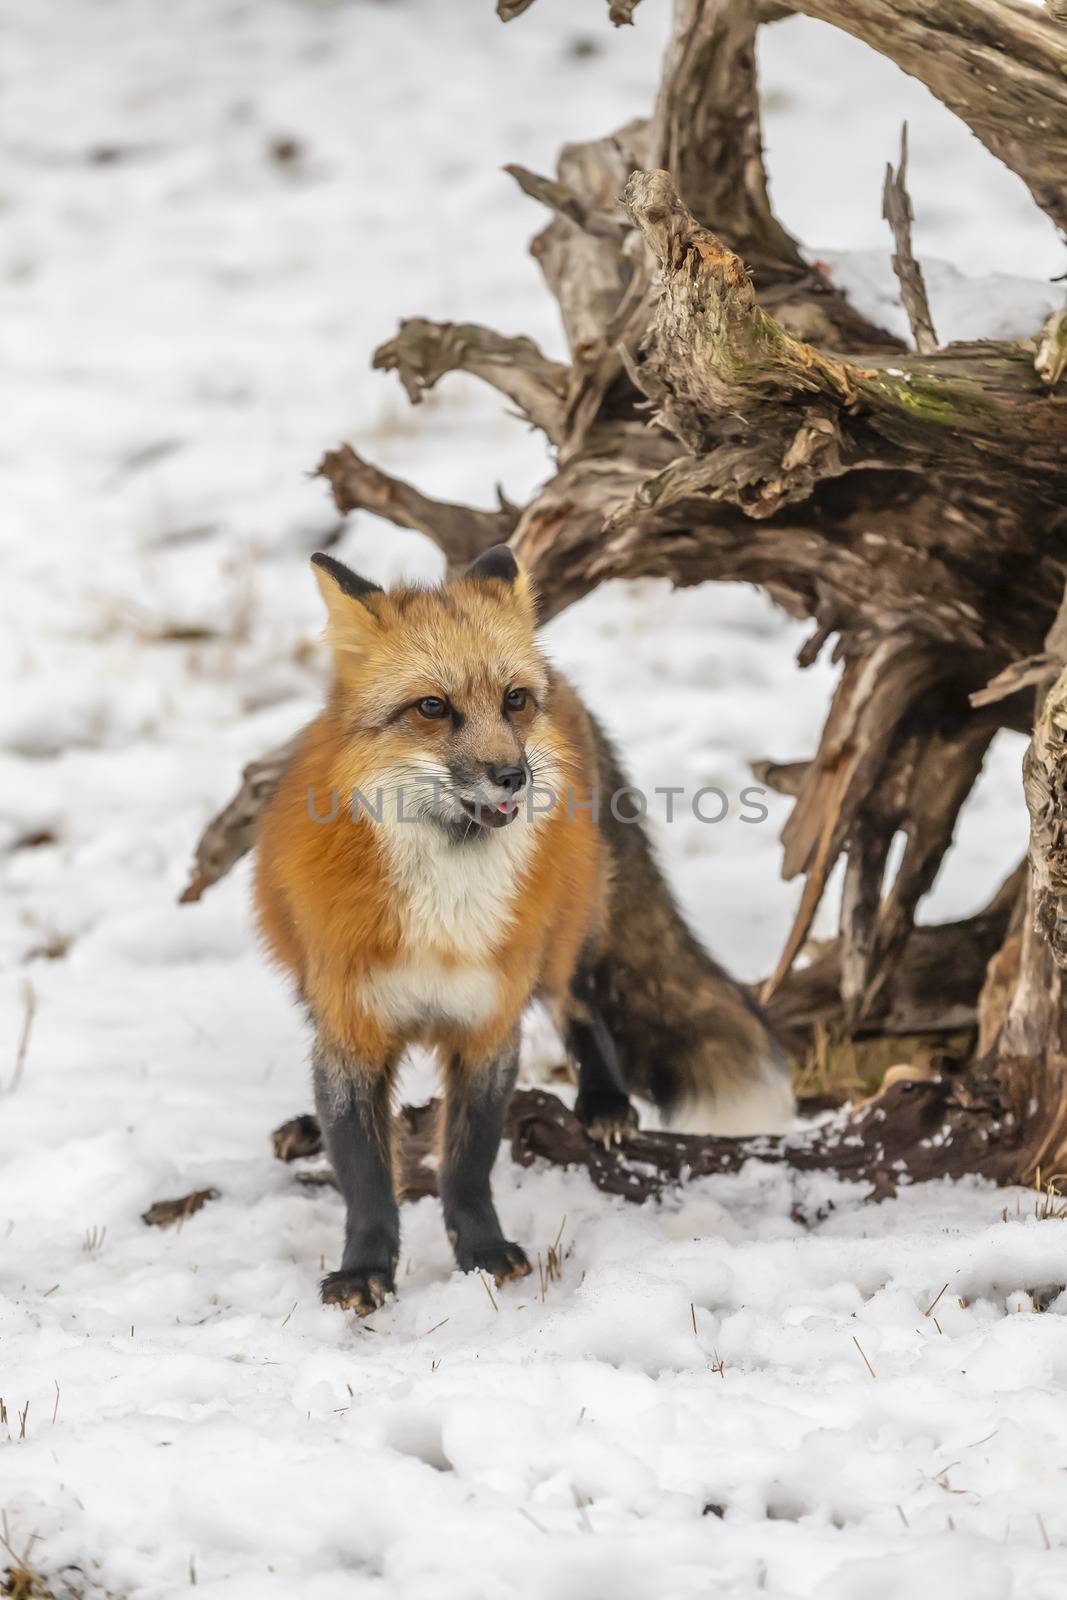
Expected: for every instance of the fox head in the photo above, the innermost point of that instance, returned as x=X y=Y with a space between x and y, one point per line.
x=443 y=692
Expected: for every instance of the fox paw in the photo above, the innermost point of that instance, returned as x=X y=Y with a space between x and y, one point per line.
x=505 y=1261
x=606 y=1115
x=361 y=1292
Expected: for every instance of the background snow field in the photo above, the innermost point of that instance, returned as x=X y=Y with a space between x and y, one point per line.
x=212 y=211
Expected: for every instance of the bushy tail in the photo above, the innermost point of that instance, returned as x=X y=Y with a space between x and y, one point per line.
x=690 y=1038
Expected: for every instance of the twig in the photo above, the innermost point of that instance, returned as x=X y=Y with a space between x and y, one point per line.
x=29 y=1011
x=866 y=1363
x=897 y=211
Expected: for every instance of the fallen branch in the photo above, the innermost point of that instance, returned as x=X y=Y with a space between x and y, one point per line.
x=882 y=1143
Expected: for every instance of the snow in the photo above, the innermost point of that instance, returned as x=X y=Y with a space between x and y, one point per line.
x=185 y=324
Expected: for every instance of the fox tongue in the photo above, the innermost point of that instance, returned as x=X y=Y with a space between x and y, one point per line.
x=507 y=806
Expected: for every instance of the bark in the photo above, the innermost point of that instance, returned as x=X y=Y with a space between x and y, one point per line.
x=1045 y=784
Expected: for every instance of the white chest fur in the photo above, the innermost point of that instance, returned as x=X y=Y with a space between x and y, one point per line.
x=456 y=902
x=457 y=898
x=409 y=994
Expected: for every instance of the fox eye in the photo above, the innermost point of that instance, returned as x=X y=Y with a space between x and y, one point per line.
x=517 y=699
x=432 y=707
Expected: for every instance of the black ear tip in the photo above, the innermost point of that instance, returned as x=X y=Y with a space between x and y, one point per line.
x=347 y=581
x=499 y=562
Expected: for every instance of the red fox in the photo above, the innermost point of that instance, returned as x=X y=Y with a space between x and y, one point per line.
x=468 y=870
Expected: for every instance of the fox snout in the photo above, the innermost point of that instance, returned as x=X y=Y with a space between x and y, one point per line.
x=509 y=778
x=491 y=791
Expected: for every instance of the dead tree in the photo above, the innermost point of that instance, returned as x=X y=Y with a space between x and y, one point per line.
x=726 y=415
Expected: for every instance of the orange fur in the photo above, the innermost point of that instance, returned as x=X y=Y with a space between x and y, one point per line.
x=331 y=905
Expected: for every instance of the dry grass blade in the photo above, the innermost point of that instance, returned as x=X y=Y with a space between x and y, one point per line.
x=29 y=1011
x=553 y=1267
x=1050 y=1206
x=862 y=1352
x=934 y=1301
x=22 y=1580
x=488 y=1290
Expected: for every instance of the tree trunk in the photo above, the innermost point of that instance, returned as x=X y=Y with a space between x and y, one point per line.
x=726 y=415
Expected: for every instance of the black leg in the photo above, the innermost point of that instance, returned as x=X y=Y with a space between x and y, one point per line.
x=353 y=1105
x=476 y=1104
x=603 y=1105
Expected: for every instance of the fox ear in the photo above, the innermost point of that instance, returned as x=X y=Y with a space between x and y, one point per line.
x=349 y=603
x=500 y=563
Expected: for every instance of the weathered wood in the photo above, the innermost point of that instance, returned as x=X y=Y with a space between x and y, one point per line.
x=460 y=531
x=706 y=131
x=422 y=352
x=933 y=988
x=1045 y=785
x=998 y=64
x=713 y=350
x=232 y=832
x=1050 y=362
x=897 y=211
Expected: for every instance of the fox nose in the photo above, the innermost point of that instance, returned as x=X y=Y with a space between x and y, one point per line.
x=510 y=778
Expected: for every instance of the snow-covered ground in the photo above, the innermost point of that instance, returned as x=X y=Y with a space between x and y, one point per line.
x=742 y=1391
